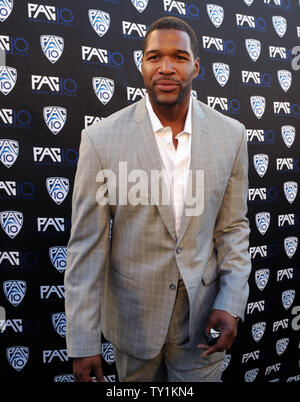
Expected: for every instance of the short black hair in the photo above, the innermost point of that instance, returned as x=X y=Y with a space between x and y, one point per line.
x=173 y=23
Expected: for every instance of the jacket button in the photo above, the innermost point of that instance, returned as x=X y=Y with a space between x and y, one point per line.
x=178 y=250
x=172 y=287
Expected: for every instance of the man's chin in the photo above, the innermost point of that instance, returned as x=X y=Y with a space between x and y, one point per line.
x=167 y=99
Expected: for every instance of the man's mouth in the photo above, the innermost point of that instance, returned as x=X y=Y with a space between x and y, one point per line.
x=166 y=85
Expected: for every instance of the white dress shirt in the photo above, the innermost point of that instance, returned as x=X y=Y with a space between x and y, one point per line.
x=175 y=161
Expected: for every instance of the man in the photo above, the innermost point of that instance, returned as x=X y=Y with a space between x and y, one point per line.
x=169 y=272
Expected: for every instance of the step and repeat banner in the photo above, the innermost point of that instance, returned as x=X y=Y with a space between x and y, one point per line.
x=68 y=64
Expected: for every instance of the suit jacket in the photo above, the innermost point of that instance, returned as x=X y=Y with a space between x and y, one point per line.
x=121 y=284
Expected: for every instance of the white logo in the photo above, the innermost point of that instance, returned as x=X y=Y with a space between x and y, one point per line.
x=58 y=188
x=262 y=221
x=138 y=56
x=9 y=151
x=6 y=7
x=140 y=5
x=253 y=47
x=251 y=375
x=287 y=298
x=59 y=323
x=262 y=278
x=290 y=190
x=17 y=356
x=14 y=291
x=100 y=21
x=58 y=257
x=215 y=13
x=258 y=330
x=104 y=89
x=11 y=222
x=258 y=105
x=52 y=47
x=107 y=352
x=288 y=134
x=281 y=345
x=280 y=25
x=261 y=162
x=248 y=2
x=290 y=245
x=285 y=79
x=8 y=79
x=221 y=72
x=55 y=118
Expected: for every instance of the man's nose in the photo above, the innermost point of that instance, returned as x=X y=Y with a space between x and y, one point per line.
x=166 y=66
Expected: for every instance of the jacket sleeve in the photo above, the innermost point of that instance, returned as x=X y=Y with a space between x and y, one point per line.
x=231 y=238
x=87 y=254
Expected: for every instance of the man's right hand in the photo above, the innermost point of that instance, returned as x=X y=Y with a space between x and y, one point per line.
x=82 y=367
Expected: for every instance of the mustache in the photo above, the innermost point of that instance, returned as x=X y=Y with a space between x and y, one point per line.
x=165 y=79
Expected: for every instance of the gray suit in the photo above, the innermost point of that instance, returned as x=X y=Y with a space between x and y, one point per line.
x=123 y=287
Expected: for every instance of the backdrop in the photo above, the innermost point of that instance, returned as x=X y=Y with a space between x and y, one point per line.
x=67 y=64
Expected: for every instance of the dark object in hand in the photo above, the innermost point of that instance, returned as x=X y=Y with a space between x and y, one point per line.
x=212 y=337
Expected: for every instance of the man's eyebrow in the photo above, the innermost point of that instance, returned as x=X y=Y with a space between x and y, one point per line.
x=176 y=51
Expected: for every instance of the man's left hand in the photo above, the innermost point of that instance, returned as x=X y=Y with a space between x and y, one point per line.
x=227 y=324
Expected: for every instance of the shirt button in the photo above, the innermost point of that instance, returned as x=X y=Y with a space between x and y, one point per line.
x=172 y=287
x=178 y=250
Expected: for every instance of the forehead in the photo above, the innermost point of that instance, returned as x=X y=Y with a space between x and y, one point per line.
x=168 y=39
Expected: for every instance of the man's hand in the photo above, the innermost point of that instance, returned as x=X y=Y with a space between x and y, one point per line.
x=82 y=367
x=227 y=324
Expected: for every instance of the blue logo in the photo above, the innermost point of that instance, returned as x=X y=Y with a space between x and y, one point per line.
x=215 y=13
x=258 y=104
x=52 y=47
x=58 y=257
x=280 y=25
x=8 y=79
x=100 y=21
x=104 y=89
x=14 y=291
x=6 y=7
x=261 y=162
x=285 y=79
x=17 y=356
x=55 y=118
x=290 y=245
x=287 y=298
x=58 y=188
x=288 y=134
x=11 y=222
x=262 y=220
x=262 y=278
x=9 y=151
x=140 y=5
x=221 y=72
x=138 y=56
x=253 y=47
x=59 y=323
x=290 y=190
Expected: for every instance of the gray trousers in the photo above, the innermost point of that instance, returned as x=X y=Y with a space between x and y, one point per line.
x=175 y=362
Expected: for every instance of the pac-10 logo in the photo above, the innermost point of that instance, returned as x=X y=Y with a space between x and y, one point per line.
x=11 y=222
x=181 y=8
x=13 y=46
x=47 y=84
x=9 y=151
x=15 y=118
x=218 y=45
x=42 y=13
x=8 y=79
x=58 y=188
x=6 y=7
x=17 y=356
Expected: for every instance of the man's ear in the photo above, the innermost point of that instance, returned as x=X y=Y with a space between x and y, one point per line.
x=197 y=67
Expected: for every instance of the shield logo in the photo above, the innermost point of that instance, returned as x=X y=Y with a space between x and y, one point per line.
x=288 y=134
x=138 y=56
x=140 y=5
x=253 y=47
x=9 y=151
x=11 y=222
x=261 y=162
x=226 y=362
x=215 y=13
x=250 y=375
x=104 y=89
x=262 y=220
x=17 y=356
x=58 y=188
x=14 y=291
x=287 y=298
x=258 y=105
x=221 y=72
x=100 y=21
x=6 y=7
x=107 y=352
x=8 y=79
x=58 y=257
x=281 y=345
x=258 y=330
x=55 y=118
x=52 y=46
x=279 y=24
x=290 y=190
x=290 y=245
x=261 y=278
x=248 y=2
x=59 y=323
x=285 y=79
